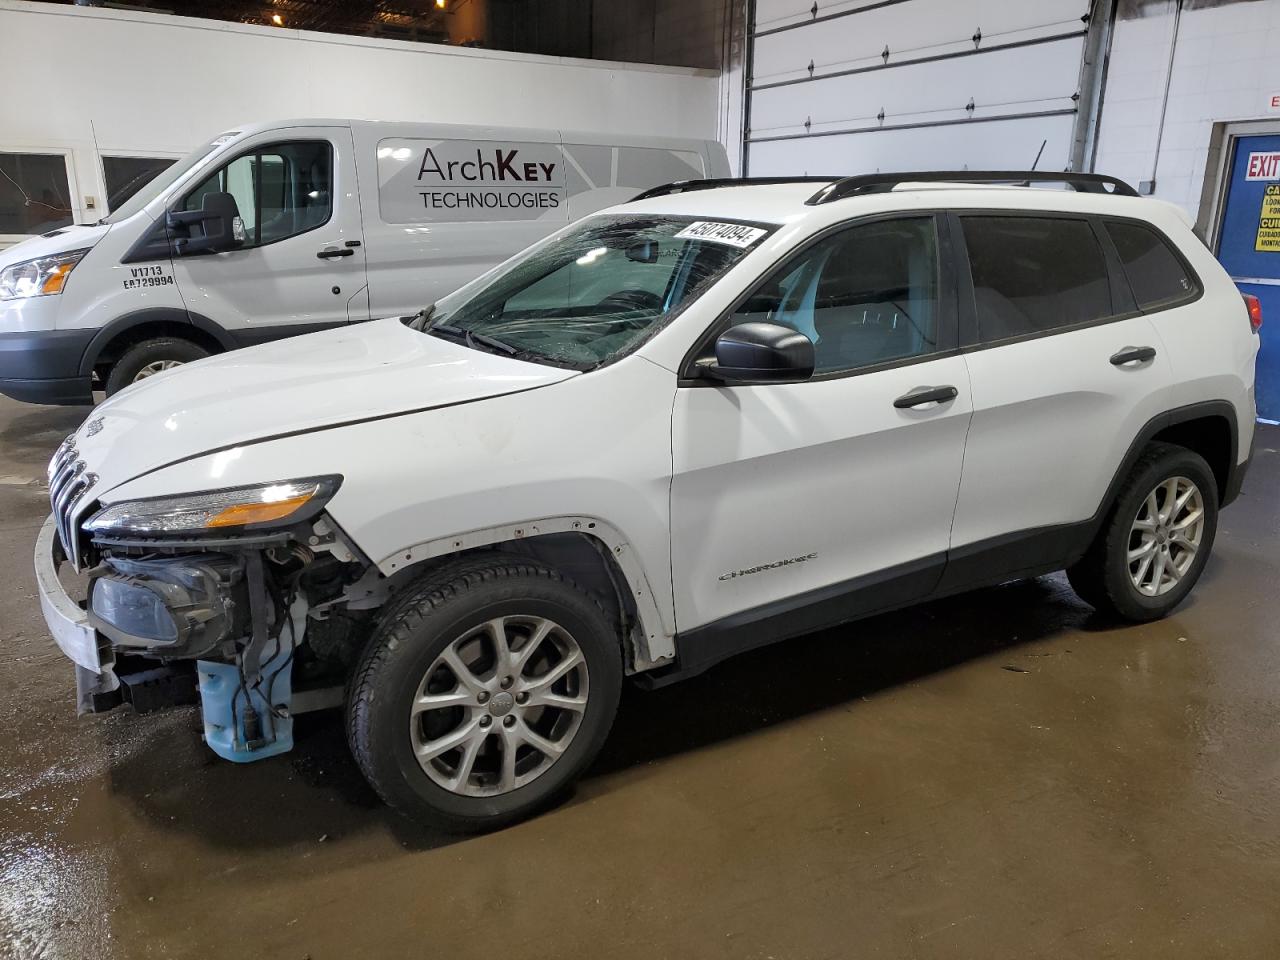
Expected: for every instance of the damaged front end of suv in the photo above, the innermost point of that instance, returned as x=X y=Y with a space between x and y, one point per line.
x=249 y=599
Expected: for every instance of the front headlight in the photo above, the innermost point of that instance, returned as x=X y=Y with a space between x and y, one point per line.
x=40 y=277
x=231 y=510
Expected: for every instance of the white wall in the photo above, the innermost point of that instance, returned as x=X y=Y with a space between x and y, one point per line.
x=1226 y=68
x=161 y=84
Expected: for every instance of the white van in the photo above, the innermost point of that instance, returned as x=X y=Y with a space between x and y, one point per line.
x=277 y=229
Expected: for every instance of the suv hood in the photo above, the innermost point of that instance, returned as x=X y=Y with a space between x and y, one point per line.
x=362 y=372
x=55 y=241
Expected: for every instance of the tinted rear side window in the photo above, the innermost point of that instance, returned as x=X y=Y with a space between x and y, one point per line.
x=1156 y=275
x=1032 y=274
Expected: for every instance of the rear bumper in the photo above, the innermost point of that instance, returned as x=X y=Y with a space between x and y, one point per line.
x=1235 y=480
x=43 y=366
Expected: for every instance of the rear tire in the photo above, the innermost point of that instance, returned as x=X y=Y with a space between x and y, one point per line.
x=456 y=731
x=151 y=356
x=1156 y=538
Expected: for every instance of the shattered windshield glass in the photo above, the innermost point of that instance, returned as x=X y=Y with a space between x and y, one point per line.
x=595 y=293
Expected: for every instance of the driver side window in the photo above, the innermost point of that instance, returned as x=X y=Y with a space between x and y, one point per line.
x=864 y=296
x=280 y=190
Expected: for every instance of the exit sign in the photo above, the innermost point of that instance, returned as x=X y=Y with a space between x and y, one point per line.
x=1263 y=166
x=1273 y=103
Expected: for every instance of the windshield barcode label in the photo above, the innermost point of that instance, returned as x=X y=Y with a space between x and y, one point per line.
x=734 y=234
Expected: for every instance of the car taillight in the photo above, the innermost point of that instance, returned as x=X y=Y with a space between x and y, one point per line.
x=1255 y=311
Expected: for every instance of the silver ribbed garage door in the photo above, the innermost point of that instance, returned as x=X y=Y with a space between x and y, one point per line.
x=865 y=85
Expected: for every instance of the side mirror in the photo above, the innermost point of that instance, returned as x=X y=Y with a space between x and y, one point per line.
x=215 y=227
x=760 y=352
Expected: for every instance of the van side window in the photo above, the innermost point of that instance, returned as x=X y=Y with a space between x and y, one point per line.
x=1156 y=275
x=866 y=295
x=1034 y=274
x=281 y=190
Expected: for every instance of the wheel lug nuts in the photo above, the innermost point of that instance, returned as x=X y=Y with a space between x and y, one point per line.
x=482 y=696
x=509 y=721
x=485 y=721
x=505 y=683
x=522 y=697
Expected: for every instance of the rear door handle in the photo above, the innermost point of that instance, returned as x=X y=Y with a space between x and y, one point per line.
x=1133 y=355
x=922 y=395
x=334 y=252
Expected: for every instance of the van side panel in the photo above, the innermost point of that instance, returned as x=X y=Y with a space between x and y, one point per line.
x=418 y=254
x=443 y=203
x=601 y=175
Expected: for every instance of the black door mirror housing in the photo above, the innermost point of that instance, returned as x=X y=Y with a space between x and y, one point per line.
x=215 y=227
x=759 y=352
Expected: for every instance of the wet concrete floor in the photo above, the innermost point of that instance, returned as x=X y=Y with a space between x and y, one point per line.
x=994 y=776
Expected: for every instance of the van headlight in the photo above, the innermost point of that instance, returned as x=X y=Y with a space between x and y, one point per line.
x=232 y=510
x=39 y=277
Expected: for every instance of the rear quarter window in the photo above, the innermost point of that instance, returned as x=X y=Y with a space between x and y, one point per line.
x=1156 y=274
x=1032 y=275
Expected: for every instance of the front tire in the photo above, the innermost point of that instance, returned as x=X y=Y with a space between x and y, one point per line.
x=1156 y=539
x=483 y=694
x=150 y=357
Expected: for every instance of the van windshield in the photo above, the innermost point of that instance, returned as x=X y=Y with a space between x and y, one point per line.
x=164 y=180
x=595 y=292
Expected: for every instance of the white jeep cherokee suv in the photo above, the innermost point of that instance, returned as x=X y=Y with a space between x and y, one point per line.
x=717 y=416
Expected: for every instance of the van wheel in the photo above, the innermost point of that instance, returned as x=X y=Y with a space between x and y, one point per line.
x=148 y=358
x=483 y=694
x=1156 y=539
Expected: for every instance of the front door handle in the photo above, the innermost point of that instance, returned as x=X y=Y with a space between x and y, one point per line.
x=922 y=395
x=1133 y=355
x=335 y=252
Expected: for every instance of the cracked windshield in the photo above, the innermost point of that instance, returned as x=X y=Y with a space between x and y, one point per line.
x=597 y=292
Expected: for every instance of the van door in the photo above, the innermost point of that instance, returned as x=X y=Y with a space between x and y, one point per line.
x=302 y=262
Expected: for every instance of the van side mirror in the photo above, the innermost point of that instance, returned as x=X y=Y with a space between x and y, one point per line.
x=759 y=352
x=215 y=227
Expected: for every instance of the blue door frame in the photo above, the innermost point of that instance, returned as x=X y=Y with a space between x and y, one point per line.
x=1249 y=248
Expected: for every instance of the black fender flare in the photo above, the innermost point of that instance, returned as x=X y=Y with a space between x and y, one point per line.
x=137 y=318
x=1170 y=418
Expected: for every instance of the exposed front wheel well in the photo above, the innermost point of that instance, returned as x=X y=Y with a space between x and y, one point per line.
x=1211 y=437
x=581 y=557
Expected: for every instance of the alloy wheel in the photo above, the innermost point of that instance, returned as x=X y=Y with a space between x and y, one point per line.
x=1165 y=536
x=151 y=369
x=499 y=706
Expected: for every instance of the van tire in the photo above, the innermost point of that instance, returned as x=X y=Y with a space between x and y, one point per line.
x=436 y=615
x=159 y=350
x=1102 y=577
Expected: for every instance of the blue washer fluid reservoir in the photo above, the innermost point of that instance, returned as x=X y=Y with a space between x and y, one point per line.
x=220 y=688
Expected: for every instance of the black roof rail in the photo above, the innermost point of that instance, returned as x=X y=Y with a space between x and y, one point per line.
x=885 y=182
x=687 y=186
